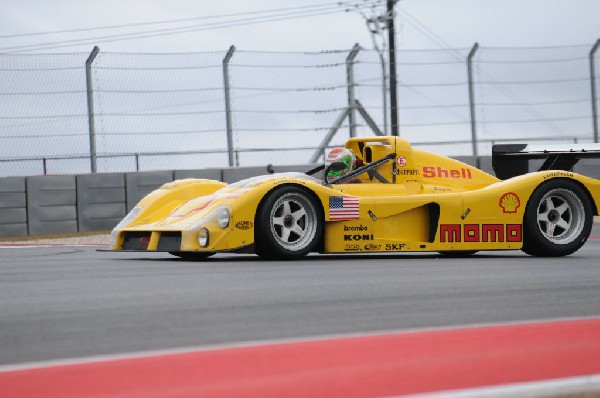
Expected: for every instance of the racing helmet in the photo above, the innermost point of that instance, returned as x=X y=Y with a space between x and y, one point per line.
x=343 y=155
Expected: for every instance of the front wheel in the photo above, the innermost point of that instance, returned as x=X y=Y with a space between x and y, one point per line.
x=289 y=224
x=558 y=219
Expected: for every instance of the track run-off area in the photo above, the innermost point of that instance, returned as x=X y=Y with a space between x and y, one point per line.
x=76 y=322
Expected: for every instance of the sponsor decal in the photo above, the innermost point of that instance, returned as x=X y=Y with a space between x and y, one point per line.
x=343 y=208
x=371 y=247
x=407 y=172
x=401 y=161
x=509 y=203
x=441 y=189
x=352 y=248
x=558 y=174
x=145 y=241
x=395 y=247
x=440 y=172
x=355 y=228
x=481 y=233
x=244 y=225
x=289 y=181
x=465 y=214
x=357 y=237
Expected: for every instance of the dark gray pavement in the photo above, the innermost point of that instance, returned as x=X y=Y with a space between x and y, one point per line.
x=72 y=302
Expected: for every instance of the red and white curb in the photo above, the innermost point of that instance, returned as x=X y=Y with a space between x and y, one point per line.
x=459 y=360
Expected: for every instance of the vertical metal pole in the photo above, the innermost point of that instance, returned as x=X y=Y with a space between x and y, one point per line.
x=228 y=104
x=593 y=85
x=384 y=89
x=350 y=84
x=472 y=100
x=90 y=104
x=392 y=56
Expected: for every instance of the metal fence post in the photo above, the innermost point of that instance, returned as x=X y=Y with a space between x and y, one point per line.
x=593 y=85
x=350 y=83
x=90 y=105
x=228 y=105
x=472 y=99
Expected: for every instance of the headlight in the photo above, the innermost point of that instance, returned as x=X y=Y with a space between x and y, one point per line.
x=223 y=217
x=203 y=237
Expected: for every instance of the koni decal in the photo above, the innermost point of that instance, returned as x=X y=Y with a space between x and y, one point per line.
x=358 y=237
x=440 y=172
x=481 y=233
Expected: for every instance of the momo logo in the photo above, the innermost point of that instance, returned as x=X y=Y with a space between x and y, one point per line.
x=244 y=225
x=358 y=237
x=509 y=202
x=481 y=233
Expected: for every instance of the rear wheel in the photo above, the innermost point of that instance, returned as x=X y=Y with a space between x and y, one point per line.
x=558 y=219
x=289 y=224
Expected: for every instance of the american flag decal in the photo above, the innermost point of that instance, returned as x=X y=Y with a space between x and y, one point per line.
x=343 y=208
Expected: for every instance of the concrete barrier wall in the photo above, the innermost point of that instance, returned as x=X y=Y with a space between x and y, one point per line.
x=101 y=201
x=13 y=207
x=141 y=184
x=51 y=204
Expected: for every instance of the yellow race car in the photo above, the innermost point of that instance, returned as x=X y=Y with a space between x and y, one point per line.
x=398 y=199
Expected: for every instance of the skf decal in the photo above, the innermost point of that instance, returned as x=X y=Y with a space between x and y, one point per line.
x=439 y=172
x=358 y=237
x=394 y=247
x=481 y=233
x=509 y=202
x=244 y=225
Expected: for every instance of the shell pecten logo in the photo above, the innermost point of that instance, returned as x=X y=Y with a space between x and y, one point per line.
x=509 y=202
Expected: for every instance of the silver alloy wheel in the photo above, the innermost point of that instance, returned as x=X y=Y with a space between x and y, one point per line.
x=293 y=221
x=560 y=216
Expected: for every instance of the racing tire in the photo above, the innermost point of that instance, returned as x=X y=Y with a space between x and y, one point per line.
x=289 y=224
x=558 y=219
x=192 y=256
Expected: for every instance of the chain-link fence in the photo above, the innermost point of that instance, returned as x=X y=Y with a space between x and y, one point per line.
x=130 y=112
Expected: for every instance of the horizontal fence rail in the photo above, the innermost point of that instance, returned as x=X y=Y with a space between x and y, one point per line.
x=107 y=112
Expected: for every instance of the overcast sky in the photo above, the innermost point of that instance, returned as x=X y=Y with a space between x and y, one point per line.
x=493 y=23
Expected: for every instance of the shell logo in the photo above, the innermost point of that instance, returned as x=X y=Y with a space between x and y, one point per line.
x=509 y=202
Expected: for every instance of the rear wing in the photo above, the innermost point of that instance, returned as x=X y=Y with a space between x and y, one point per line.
x=510 y=160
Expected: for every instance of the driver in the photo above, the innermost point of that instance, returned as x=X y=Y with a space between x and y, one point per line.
x=345 y=156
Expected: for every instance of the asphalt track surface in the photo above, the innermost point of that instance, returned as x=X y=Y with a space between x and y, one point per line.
x=75 y=302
